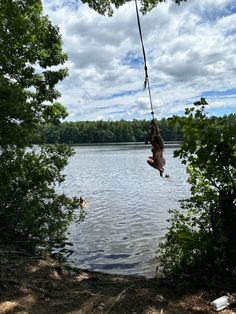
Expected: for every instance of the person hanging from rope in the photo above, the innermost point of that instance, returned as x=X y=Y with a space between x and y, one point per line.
x=157 y=159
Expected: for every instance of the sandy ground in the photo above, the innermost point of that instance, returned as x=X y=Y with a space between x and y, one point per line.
x=36 y=285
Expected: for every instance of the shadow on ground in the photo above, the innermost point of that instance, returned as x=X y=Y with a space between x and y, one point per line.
x=29 y=284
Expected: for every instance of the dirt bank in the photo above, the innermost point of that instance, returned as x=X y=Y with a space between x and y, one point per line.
x=29 y=284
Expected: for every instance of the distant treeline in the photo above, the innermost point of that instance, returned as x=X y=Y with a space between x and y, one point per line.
x=105 y=132
x=109 y=131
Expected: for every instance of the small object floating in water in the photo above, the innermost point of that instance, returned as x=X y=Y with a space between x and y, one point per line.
x=82 y=202
x=220 y=303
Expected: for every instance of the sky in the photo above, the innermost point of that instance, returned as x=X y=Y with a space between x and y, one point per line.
x=190 y=50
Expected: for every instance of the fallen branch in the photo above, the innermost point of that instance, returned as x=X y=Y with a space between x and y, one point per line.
x=118 y=298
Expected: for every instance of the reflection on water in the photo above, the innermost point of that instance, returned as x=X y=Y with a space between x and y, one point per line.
x=127 y=207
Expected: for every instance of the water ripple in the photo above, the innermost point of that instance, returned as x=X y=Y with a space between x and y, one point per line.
x=127 y=207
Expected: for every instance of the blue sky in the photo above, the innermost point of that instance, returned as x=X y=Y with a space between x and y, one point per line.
x=190 y=49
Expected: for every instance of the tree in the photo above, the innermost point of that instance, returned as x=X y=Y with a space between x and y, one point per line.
x=106 y=6
x=203 y=232
x=104 y=131
x=29 y=47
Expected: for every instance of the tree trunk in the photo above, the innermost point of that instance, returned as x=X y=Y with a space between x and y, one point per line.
x=228 y=215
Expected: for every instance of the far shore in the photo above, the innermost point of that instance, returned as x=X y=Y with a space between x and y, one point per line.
x=168 y=144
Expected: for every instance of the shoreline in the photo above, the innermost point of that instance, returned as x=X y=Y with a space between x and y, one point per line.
x=41 y=285
x=170 y=144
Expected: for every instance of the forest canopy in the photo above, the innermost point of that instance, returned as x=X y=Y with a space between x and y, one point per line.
x=109 y=131
x=106 y=6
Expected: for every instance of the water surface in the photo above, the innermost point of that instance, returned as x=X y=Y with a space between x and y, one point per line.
x=127 y=207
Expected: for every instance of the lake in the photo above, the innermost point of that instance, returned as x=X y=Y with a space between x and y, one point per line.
x=127 y=209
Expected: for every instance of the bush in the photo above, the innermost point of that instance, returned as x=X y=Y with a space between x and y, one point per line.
x=30 y=208
x=203 y=232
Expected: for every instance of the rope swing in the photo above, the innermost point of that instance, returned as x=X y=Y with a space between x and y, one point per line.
x=157 y=160
x=146 y=80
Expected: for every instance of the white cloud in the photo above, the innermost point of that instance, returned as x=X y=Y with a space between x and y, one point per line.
x=190 y=50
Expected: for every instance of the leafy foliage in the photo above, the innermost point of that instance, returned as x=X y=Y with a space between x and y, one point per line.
x=106 y=6
x=105 y=131
x=30 y=67
x=111 y=131
x=28 y=42
x=203 y=232
x=29 y=206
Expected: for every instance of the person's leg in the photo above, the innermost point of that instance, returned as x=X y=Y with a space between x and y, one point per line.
x=151 y=163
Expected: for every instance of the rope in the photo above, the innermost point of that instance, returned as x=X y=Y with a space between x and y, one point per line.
x=146 y=80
